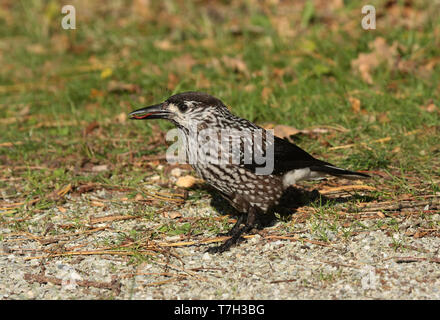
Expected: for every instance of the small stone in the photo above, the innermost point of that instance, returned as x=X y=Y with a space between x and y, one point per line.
x=255 y=239
x=206 y=256
x=176 y=172
x=100 y=168
x=173 y=214
x=138 y=197
x=186 y=181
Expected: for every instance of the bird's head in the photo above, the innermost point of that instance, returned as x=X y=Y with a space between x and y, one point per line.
x=186 y=110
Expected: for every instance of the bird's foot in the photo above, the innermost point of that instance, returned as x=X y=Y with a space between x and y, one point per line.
x=218 y=249
x=235 y=237
x=230 y=233
x=234 y=229
x=225 y=246
x=236 y=232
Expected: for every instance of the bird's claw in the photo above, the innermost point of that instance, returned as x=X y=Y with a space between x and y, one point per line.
x=225 y=246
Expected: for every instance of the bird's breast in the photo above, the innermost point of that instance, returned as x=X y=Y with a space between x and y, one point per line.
x=242 y=187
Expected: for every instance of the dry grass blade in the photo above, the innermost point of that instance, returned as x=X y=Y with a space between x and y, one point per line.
x=166 y=197
x=10 y=144
x=113 y=285
x=206 y=241
x=94 y=252
x=46 y=240
x=399 y=205
x=158 y=283
x=382 y=140
x=168 y=265
x=8 y=205
x=131 y=275
x=319 y=128
x=224 y=238
x=6 y=212
x=96 y=220
x=66 y=123
x=319 y=243
x=63 y=191
x=347 y=188
x=58 y=194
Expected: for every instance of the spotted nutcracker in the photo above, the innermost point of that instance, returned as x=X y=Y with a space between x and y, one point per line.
x=247 y=164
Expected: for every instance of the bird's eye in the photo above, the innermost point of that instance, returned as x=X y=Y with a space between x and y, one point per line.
x=182 y=107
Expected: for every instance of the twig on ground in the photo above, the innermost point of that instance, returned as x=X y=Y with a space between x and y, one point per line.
x=114 y=285
x=413 y=259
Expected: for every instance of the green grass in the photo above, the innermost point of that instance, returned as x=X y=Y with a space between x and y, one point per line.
x=54 y=83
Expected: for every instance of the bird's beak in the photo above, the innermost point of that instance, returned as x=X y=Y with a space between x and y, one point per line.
x=152 y=112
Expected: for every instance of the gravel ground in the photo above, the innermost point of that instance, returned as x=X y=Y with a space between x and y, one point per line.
x=363 y=266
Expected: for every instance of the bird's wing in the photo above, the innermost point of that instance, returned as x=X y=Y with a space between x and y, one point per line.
x=288 y=156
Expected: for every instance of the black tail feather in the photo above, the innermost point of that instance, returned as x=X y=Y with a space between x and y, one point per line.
x=339 y=172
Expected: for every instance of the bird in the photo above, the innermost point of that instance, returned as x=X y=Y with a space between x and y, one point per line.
x=248 y=165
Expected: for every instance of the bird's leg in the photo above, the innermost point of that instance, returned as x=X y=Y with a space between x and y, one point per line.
x=250 y=223
x=236 y=225
x=251 y=219
x=265 y=220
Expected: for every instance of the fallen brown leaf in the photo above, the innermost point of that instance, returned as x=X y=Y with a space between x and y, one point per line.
x=121 y=118
x=97 y=203
x=60 y=123
x=166 y=45
x=141 y=8
x=62 y=210
x=383 y=117
x=355 y=104
x=380 y=214
x=36 y=48
x=183 y=64
x=96 y=220
x=100 y=168
x=381 y=53
x=91 y=126
x=235 y=64
x=60 y=42
x=431 y=107
x=58 y=194
x=186 y=181
x=202 y=82
x=10 y=144
x=347 y=188
x=265 y=94
x=283 y=131
x=24 y=111
x=119 y=87
x=396 y=150
x=8 y=120
x=173 y=214
x=138 y=197
x=86 y=188
x=95 y=93
x=173 y=80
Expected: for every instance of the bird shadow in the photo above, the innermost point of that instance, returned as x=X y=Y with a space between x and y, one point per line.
x=292 y=199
